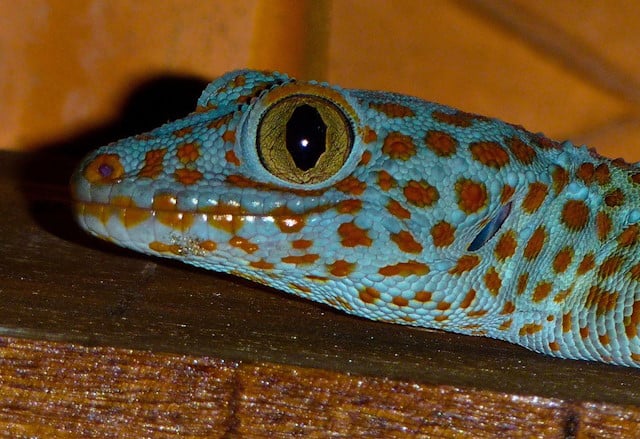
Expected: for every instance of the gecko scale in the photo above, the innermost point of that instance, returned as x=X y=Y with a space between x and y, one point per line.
x=387 y=207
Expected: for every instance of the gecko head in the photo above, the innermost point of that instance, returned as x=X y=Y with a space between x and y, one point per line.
x=299 y=185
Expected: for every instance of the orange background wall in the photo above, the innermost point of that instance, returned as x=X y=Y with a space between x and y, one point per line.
x=568 y=69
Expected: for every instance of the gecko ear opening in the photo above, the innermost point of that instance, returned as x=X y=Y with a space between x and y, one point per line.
x=491 y=228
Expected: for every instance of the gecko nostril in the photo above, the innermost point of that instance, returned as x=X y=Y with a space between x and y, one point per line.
x=491 y=228
x=105 y=170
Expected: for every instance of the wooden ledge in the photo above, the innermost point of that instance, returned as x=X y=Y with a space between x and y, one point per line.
x=99 y=340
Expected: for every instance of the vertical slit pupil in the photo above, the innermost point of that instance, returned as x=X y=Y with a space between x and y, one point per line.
x=306 y=136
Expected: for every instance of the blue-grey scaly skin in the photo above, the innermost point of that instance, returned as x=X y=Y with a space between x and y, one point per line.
x=387 y=207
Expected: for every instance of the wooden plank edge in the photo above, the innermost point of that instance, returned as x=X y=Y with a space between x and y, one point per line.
x=67 y=390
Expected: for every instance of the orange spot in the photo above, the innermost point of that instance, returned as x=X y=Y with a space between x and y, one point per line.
x=399 y=301
x=188 y=152
x=634 y=272
x=229 y=136
x=392 y=109
x=505 y=325
x=405 y=269
x=227 y=217
x=399 y=146
x=506 y=193
x=562 y=295
x=386 y=181
x=423 y=296
x=132 y=216
x=506 y=246
x=477 y=313
x=231 y=157
x=244 y=244
x=635 y=357
x=301 y=244
x=587 y=264
x=562 y=260
x=542 y=291
x=603 y=300
x=161 y=247
x=341 y=268
x=566 y=322
x=365 y=158
x=603 y=225
x=602 y=174
x=441 y=143
x=523 y=152
x=465 y=263
x=220 y=122
x=441 y=318
x=490 y=154
x=301 y=260
x=610 y=266
x=183 y=131
x=153 y=163
x=369 y=135
x=301 y=288
x=187 y=176
x=369 y=295
x=317 y=279
x=261 y=264
x=560 y=178
x=629 y=236
x=631 y=323
x=604 y=339
x=166 y=213
x=349 y=206
x=584 y=332
x=615 y=198
x=459 y=118
x=406 y=242
x=508 y=308
x=351 y=185
x=534 y=198
x=239 y=81
x=207 y=245
x=585 y=172
x=472 y=195
x=443 y=305
x=468 y=299
x=529 y=329
x=534 y=246
x=397 y=210
x=420 y=193
x=287 y=221
x=554 y=346
x=492 y=281
x=521 y=286
x=443 y=234
x=352 y=235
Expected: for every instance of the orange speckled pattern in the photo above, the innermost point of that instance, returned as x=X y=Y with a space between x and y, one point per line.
x=387 y=207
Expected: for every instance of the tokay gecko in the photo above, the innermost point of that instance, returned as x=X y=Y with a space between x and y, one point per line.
x=387 y=207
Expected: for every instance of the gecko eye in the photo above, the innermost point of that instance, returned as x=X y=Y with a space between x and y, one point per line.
x=304 y=139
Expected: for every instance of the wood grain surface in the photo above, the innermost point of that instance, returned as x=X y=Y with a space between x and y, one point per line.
x=101 y=341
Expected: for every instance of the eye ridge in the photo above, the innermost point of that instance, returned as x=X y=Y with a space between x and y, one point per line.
x=304 y=139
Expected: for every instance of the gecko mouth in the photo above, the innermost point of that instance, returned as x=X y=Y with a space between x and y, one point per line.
x=229 y=217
